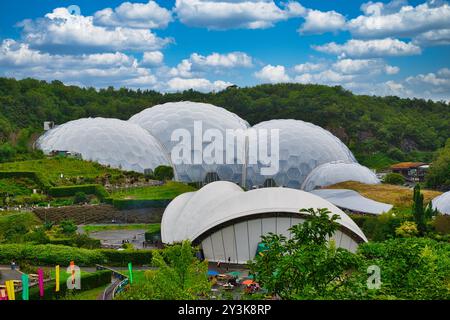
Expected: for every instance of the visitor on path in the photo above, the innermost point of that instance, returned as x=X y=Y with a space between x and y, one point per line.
x=13 y=265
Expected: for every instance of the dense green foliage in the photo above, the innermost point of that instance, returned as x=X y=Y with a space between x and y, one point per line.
x=66 y=191
x=305 y=267
x=49 y=254
x=387 y=126
x=394 y=178
x=18 y=227
x=163 y=173
x=179 y=276
x=438 y=176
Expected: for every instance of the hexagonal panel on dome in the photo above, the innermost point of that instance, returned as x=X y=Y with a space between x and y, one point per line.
x=113 y=142
x=162 y=120
x=303 y=146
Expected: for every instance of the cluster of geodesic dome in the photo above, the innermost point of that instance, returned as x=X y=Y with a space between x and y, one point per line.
x=308 y=154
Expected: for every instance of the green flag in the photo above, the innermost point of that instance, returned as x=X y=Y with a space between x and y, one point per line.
x=130 y=270
x=25 y=284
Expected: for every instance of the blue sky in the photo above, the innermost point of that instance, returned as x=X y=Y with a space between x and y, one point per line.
x=384 y=48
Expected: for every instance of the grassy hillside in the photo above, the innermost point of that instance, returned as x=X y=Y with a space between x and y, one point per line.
x=398 y=196
x=385 y=129
x=169 y=190
x=52 y=168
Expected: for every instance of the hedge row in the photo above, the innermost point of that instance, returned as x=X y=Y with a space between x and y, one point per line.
x=88 y=282
x=121 y=258
x=69 y=191
x=33 y=175
x=125 y=204
x=50 y=254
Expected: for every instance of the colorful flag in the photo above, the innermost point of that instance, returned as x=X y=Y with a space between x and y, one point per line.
x=57 y=278
x=130 y=270
x=41 y=282
x=10 y=290
x=25 y=284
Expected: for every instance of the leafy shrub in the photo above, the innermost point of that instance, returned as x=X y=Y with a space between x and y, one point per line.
x=382 y=227
x=438 y=176
x=80 y=197
x=121 y=258
x=163 y=173
x=394 y=178
x=48 y=254
x=68 y=227
x=70 y=191
x=411 y=268
x=407 y=229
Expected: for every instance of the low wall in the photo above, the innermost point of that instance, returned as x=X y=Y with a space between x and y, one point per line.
x=87 y=214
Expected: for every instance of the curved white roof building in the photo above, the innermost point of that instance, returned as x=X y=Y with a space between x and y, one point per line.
x=113 y=142
x=334 y=172
x=228 y=222
x=162 y=121
x=303 y=146
x=442 y=203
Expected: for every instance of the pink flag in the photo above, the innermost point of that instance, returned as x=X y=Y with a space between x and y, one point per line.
x=41 y=282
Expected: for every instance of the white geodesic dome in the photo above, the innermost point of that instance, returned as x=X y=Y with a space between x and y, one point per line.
x=113 y=142
x=162 y=120
x=337 y=171
x=228 y=222
x=442 y=203
x=302 y=147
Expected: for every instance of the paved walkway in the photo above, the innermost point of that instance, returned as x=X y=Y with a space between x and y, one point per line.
x=8 y=274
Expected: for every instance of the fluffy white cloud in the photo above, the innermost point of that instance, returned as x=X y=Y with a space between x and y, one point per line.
x=228 y=60
x=134 y=15
x=370 y=48
x=197 y=63
x=364 y=66
x=223 y=14
x=98 y=70
x=152 y=58
x=381 y=21
x=308 y=67
x=325 y=77
x=64 y=32
x=272 y=74
x=318 y=22
x=199 y=84
x=433 y=38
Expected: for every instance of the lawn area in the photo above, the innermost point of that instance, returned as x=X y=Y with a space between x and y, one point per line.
x=169 y=190
x=92 y=294
x=51 y=168
x=150 y=227
x=398 y=196
x=20 y=222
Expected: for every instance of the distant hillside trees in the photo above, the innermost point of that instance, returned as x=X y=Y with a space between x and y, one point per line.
x=438 y=176
x=379 y=130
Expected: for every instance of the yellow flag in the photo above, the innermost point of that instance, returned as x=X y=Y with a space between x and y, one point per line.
x=57 y=278
x=10 y=290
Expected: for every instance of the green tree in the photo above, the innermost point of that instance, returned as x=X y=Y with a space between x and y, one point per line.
x=438 y=176
x=394 y=178
x=163 y=173
x=68 y=227
x=418 y=210
x=179 y=276
x=307 y=266
x=80 y=197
